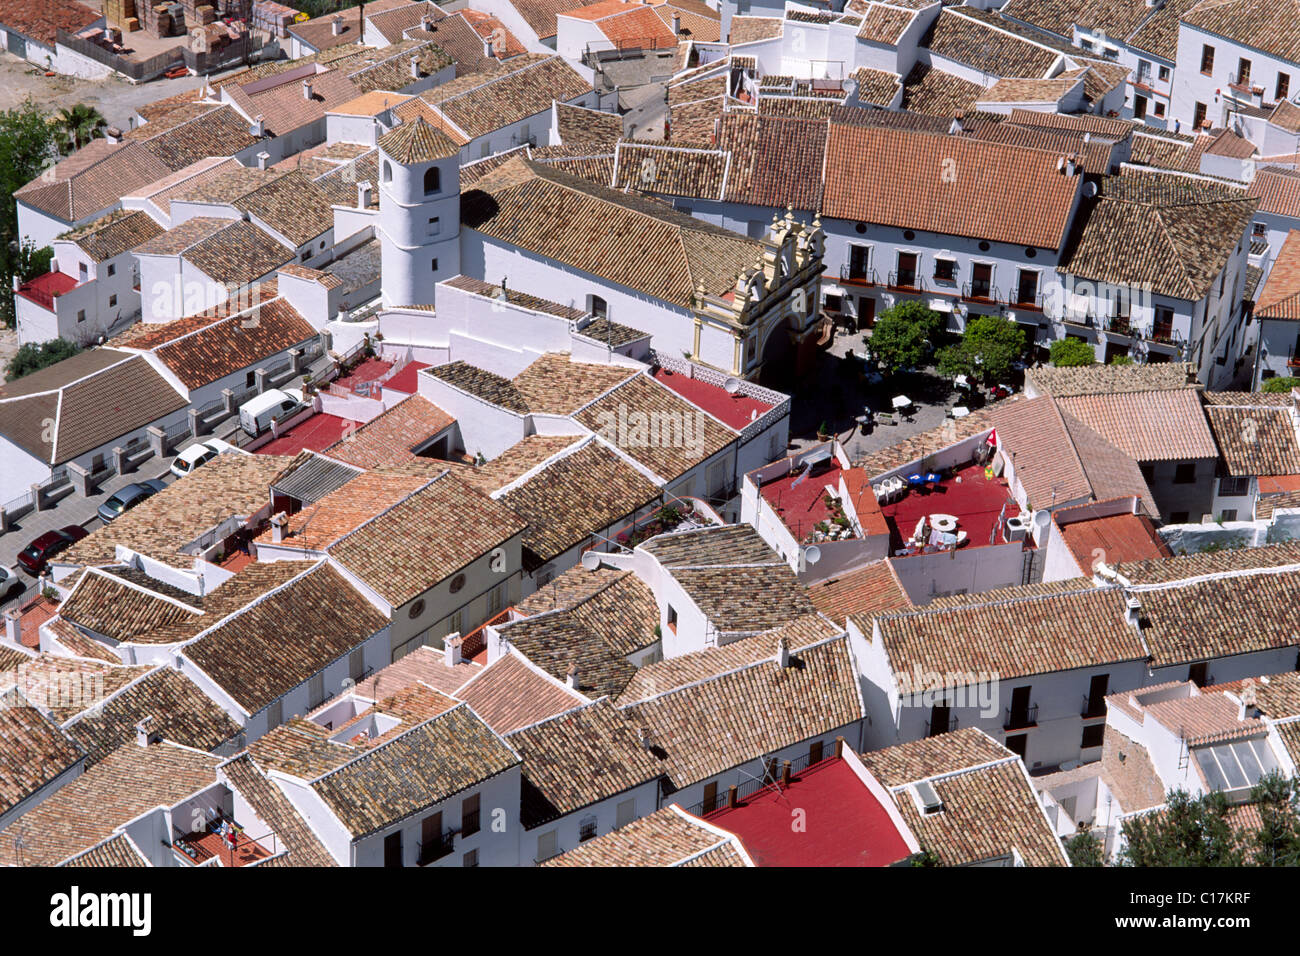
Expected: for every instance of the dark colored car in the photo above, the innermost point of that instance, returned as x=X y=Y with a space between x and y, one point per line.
x=128 y=497
x=36 y=555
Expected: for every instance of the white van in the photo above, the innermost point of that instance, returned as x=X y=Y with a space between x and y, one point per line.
x=255 y=414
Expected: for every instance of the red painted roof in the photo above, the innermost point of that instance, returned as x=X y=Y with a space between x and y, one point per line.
x=1115 y=538
x=405 y=381
x=733 y=410
x=315 y=434
x=803 y=505
x=42 y=289
x=1269 y=484
x=842 y=823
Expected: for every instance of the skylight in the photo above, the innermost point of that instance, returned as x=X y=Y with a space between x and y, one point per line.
x=1235 y=766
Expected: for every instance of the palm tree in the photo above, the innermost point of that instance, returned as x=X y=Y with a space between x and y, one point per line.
x=76 y=126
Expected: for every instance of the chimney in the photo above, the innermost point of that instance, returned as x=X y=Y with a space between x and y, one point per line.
x=488 y=50
x=1246 y=710
x=142 y=735
x=279 y=523
x=782 y=653
x=645 y=739
x=452 y=649
x=13 y=616
x=113 y=134
x=1133 y=613
x=257 y=127
x=18 y=282
x=336 y=26
x=262 y=157
x=306 y=89
x=571 y=678
x=677 y=23
x=363 y=194
x=427 y=23
x=956 y=128
x=415 y=67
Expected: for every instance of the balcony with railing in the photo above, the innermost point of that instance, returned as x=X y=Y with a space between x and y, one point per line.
x=1021 y=718
x=1083 y=318
x=853 y=275
x=431 y=852
x=1119 y=325
x=906 y=280
x=980 y=290
x=1033 y=301
x=935 y=727
x=1093 y=707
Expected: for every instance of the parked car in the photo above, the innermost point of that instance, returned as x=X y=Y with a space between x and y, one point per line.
x=200 y=453
x=127 y=498
x=11 y=585
x=37 y=555
x=255 y=415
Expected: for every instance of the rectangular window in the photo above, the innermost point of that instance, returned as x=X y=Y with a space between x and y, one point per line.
x=1234 y=486
x=496 y=599
x=626 y=813
x=1229 y=514
x=1207 y=59
x=81 y=315
x=1243 y=72
x=455 y=622
x=672 y=619
x=112 y=269
x=357 y=664
x=434 y=225
x=316 y=689
x=945 y=270
x=547 y=846
x=469 y=822
x=1198 y=116
x=434 y=264
x=1199 y=673
x=1283 y=85
x=1018 y=744
x=1164 y=73
x=1093 y=735
x=112 y=301
x=815 y=752
x=393 y=849
x=470 y=858
x=1185 y=473
x=906 y=275
x=1139 y=107
x=1160 y=109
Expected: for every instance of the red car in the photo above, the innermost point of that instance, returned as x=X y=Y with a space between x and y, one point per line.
x=36 y=555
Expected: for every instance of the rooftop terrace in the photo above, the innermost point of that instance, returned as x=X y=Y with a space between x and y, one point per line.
x=975 y=501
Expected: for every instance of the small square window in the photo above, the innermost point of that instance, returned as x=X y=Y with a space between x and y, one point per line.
x=1164 y=73
x=1178 y=517
x=112 y=301
x=1185 y=473
x=112 y=269
x=1093 y=735
x=1228 y=514
x=945 y=270
x=81 y=315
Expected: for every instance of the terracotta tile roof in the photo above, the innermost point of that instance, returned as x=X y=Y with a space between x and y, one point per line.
x=605 y=332
x=117 y=851
x=44 y=679
x=509 y=694
x=1272 y=26
x=577 y=124
x=752 y=29
x=1280 y=297
x=523 y=456
x=293 y=835
x=637 y=242
x=1204 y=718
x=174 y=517
x=299 y=748
x=935 y=756
x=1111 y=379
x=1255 y=440
x=417 y=142
x=125 y=784
x=34 y=751
x=221 y=131
x=1147 y=426
x=988 y=46
x=114 y=234
x=705 y=728
x=409 y=548
x=574 y=497
x=668 y=837
x=1136 y=236
x=179 y=238
x=1004 y=193
x=1118 y=18
x=284 y=108
x=41 y=22
x=987 y=813
x=227 y=345
x=1059 y=458
x=716 y=546
x=112 y=607
x=540 y=14
x=293 y=205
x=174 y=706
x=554 y=384
x=391 y=437
x=1015 y=638
x=594 y=634
x=238 y=254
x=481 y=383
x=1218 y=617
x=91 y=180
x=576 y=759
x=774 y=160
x=293 y=633
x=745 y=599
x=876 y=86
x=1113 y=129
x=513 y=91
x=395 y=21
x=1286 y=115
x=884 y=22
x=345 y=509
x=423 y=766
x=569 y=589
x=1210 y=562
x=870 y=590
x=103 y=402
x=671 y=673
x=318 y=32
x=1027 y=90
x=700 y=436
x=670 y=170
x=1121 y=537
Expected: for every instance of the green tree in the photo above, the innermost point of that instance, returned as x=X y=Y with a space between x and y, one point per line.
x=988 y=348
x=903 y=336
x=1283 y=384
x=26 y=149
x=35 y=356
x=75 y=126
x=1085 y=849
x=1067 y=353
x=1121 y=359
x=1187 y=832
x=1277 y=841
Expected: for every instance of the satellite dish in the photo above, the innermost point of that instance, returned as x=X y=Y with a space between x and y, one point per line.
x=732 y=386
x=591 y=560
x=1090 y=189
x=812 y=554
x=1042 y=519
